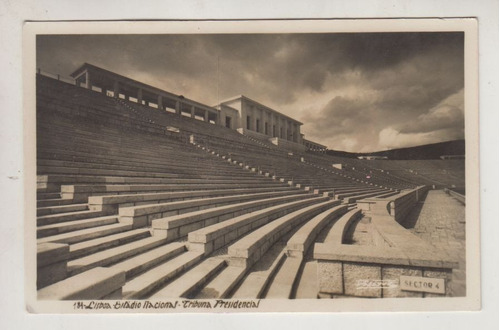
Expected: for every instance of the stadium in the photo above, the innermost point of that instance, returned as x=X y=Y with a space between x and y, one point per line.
x=146 y=194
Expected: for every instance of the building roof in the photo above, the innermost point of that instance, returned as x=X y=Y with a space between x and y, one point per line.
x=137 y=84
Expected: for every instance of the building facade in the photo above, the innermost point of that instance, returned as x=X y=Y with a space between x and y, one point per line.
x=252 y=118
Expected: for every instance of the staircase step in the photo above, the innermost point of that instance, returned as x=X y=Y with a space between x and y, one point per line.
x=86 y=234
x=110 y=256
x=142 y=285
x=47 y=195
x=282 y=285
x=53 y=202
x=257 y=280
x=307 y=286
x=150 y=259
x=66 y=217
x=59 y=228
x=47 y=210
x=223 y=284
x=98 y=244
x=192 y=280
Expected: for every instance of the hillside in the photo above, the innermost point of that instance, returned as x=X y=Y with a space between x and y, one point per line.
x=428 y=151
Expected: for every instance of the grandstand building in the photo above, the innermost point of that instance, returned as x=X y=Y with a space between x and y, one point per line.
x=144 y=194
x=239 y=113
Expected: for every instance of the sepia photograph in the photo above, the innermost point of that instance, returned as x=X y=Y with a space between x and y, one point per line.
x=310 y=166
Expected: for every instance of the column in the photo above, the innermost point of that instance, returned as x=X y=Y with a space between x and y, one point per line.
x=88 y=83
x=271 y=120
x=160 y=102
x=178 y=107
x=263 y=122
x=192 y=111
x=206 y=116
x=116 y=89
x=218 y=119
x=139 y=96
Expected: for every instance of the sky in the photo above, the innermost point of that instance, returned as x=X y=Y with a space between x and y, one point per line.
x=357 y=92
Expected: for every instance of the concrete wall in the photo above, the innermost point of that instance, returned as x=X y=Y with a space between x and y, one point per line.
x=227 y=111
x=397 y=264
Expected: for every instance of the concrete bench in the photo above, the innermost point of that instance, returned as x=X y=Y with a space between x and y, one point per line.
x=115 y=201
x=353 y=199
x=246 y=251
x=80 y=193
x=178 y=226
x=93 y=179
x=205 y=170
x=142 y=215
x=97 y=283
x=341 y=227
x=300 y=242
x=213 y=237
x=360 y=192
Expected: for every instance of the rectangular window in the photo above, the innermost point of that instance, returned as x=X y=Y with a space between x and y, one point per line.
x=248 y=122
x=257 y=125
x=228 y=122
x=265 y=129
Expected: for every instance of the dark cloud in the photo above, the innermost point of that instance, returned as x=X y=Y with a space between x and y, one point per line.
x=367 y=82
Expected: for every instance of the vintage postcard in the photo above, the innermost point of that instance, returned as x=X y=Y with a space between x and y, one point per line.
x=251 y=166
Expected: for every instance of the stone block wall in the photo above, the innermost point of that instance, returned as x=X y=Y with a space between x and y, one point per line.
x=375 y=280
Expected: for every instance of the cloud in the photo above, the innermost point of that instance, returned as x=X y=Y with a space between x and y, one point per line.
x=352 y=91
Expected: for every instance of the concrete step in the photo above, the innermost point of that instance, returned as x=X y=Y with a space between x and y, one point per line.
x=213 y=237
x=338 y=231
x=113 y=255
x=127 y=200
x=97 y=283
x=81 y=249
x=223 y=284
x=60 y=228
x=48 y=195
x=81 y=193
x=47 y=210
x=155 y=211
x=146 y=283
x=174 y=227
x=246 y=251
x=255 y=283
x=284 y=282
x=352 y=199
x=86 y=234
x=307 y=286
x=192 y=280
x=145 y=261
x=53 y=202
x=67 y=217
x=301 y=240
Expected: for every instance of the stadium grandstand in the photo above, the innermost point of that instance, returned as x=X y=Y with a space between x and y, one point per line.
x=144 y=194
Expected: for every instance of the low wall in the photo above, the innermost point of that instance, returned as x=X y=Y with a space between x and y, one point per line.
x=288 y=145
x=397 y=264
x=397 y=206
x=454 y=194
